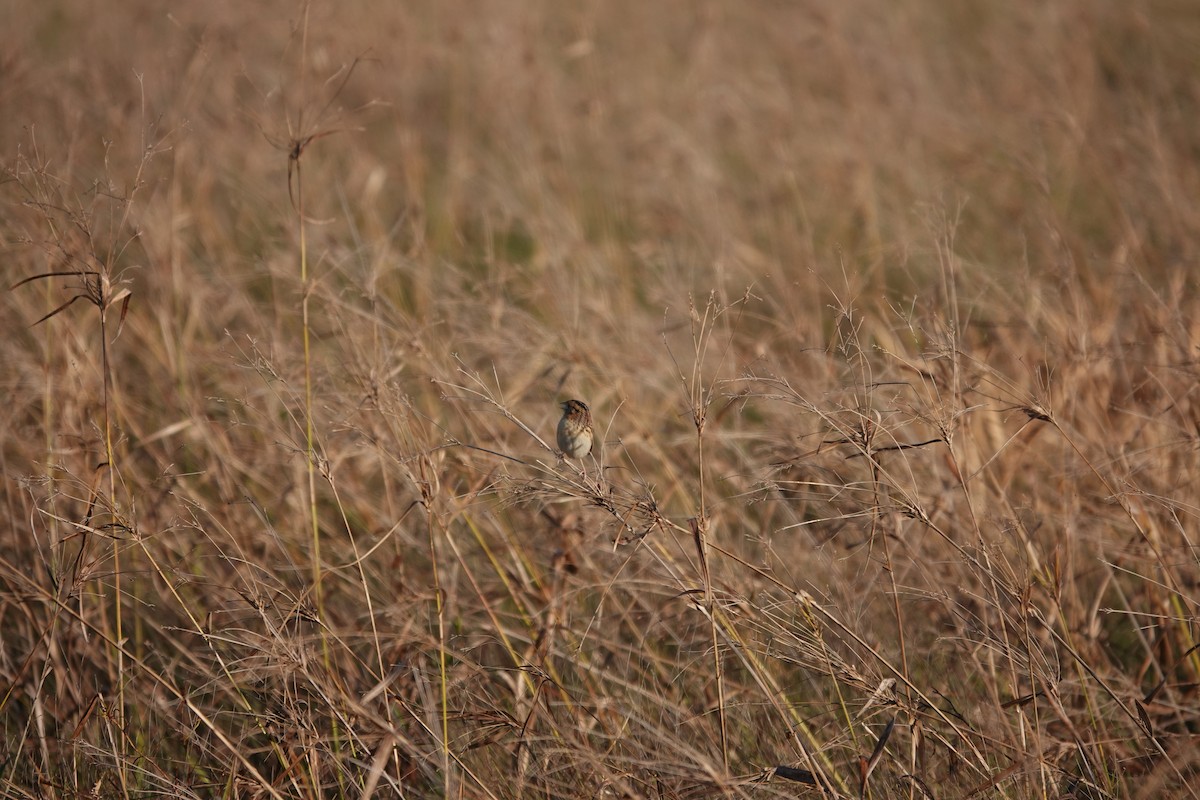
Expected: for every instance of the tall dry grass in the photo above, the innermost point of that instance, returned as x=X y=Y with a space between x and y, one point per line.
x=887 y=313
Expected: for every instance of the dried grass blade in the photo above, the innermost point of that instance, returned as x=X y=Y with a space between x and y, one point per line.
x=876 y=754
x=68 y=273
x=58 y=310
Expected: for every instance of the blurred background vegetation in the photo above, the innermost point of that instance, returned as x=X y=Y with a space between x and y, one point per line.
x=886 y=313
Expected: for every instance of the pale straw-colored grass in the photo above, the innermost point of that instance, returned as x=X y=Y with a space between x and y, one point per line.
x=886 y=313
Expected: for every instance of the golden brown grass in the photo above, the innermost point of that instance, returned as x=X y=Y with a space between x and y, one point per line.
x=886 y=312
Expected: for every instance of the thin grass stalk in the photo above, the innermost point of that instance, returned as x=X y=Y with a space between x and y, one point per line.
x=48 y=411
x=295 y=157
x=698 y=402
x=709 y=601
x=443 y=693
x=310 y=445
x=888 y=566
x=111 y=459
x=890 y=569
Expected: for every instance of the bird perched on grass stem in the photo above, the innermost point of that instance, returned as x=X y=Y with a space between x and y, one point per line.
x=575 y=436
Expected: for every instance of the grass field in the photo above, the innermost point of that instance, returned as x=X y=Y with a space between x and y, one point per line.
x=887 y=314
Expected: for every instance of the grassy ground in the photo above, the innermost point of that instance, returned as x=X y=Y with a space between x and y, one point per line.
x=887 y=313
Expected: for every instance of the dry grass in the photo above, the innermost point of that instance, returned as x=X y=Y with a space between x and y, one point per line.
x=888 y=313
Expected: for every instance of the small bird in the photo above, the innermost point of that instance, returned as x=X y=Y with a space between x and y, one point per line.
x=575 y=437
